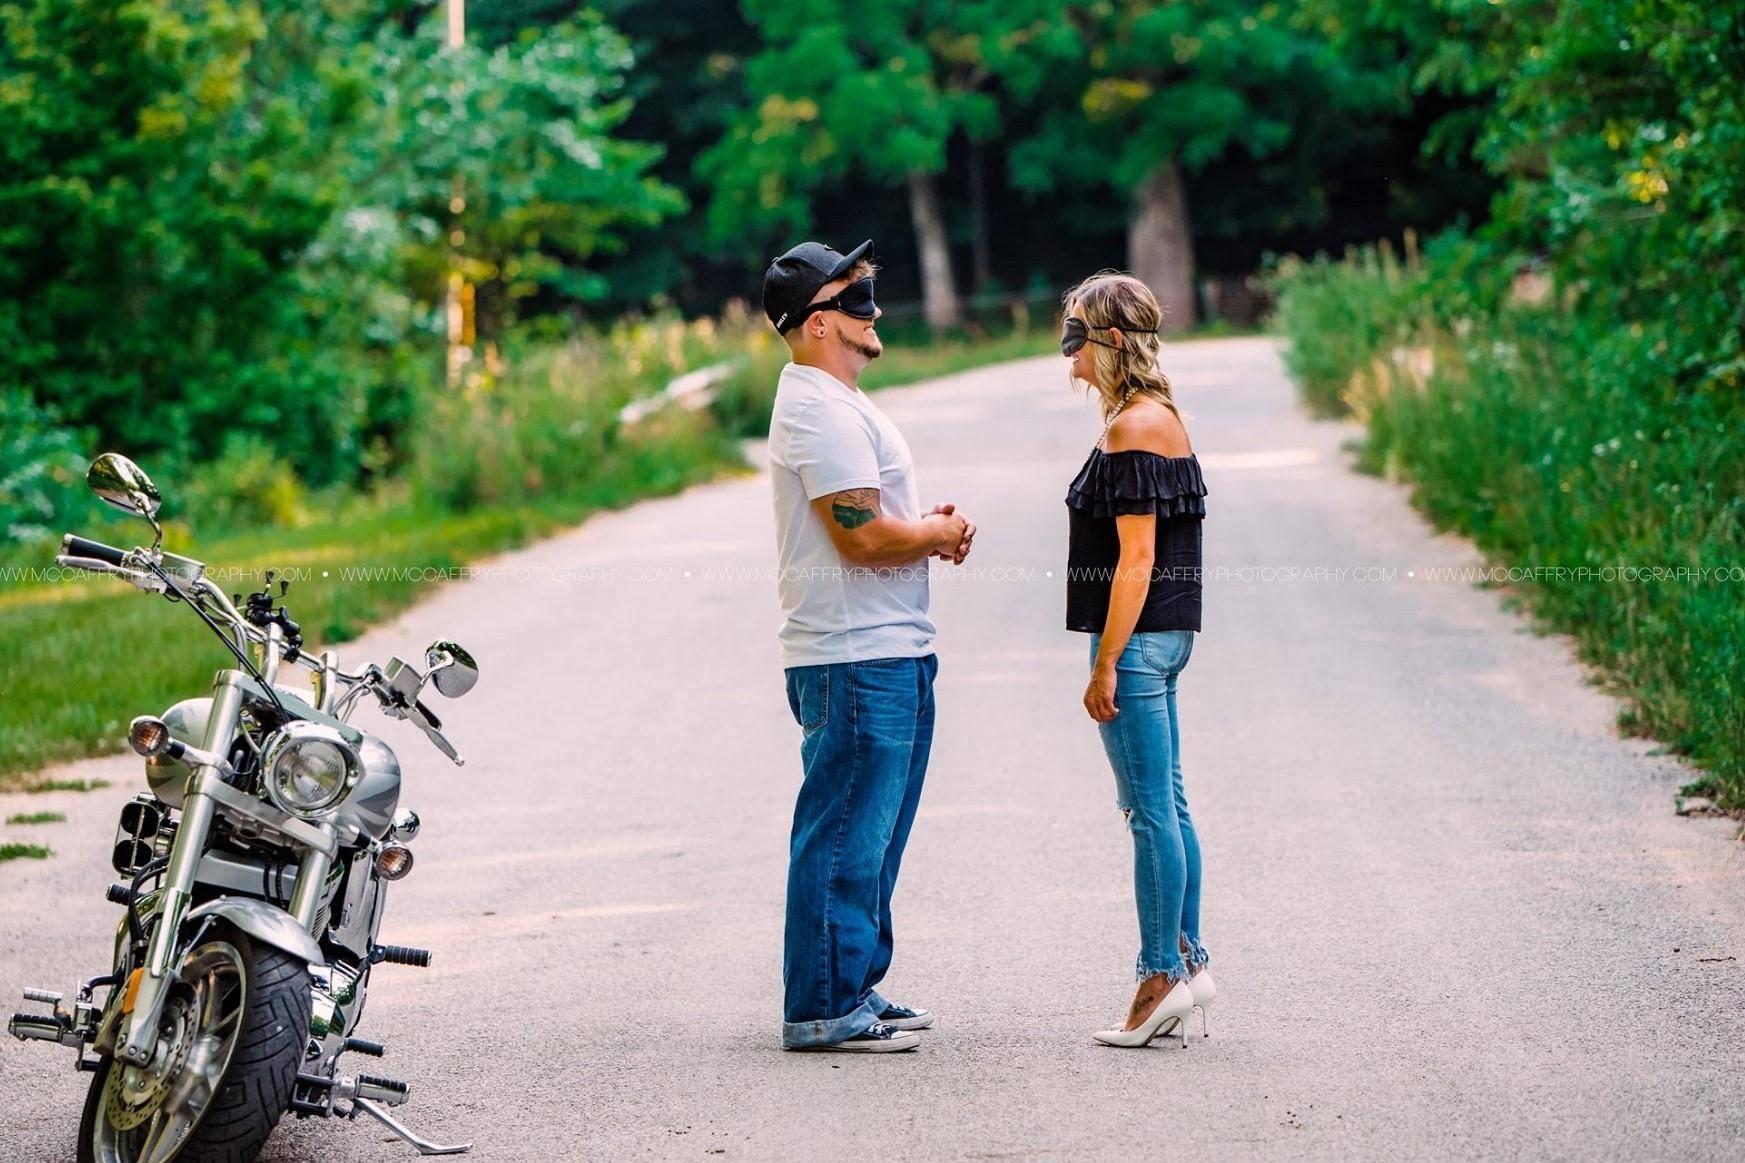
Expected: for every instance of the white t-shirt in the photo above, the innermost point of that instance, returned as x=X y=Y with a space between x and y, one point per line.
x=826 y=437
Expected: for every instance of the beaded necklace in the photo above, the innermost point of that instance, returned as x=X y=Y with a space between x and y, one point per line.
x=1110 y=422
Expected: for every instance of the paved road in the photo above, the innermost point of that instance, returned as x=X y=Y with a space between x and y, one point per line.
x=1450 y=911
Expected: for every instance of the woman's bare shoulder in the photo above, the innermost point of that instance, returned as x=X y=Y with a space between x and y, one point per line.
x=1149 y=426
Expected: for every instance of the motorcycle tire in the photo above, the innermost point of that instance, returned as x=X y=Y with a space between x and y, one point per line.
x=255 y=1088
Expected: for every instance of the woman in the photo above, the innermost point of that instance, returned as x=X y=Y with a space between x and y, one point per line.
x=1133 y=584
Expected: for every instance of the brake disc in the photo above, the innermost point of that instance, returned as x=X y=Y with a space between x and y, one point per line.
x=128 y=1106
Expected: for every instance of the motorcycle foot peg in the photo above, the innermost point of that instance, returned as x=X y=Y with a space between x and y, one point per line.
x=385 y=1090
x=118 y=894
x=36 y=1027
x=400 y=955
x=365 y=1046
x=312 y=1094
x=47 y=997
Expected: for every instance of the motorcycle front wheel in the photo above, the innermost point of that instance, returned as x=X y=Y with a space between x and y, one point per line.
x=231 y=1036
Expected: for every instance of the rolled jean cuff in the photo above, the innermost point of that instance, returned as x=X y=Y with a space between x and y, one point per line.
x=877 y=1001
x=829 y=1031
x=1176 y=973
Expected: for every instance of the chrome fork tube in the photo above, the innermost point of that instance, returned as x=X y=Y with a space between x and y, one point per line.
x=197 y=811
x=311 y=886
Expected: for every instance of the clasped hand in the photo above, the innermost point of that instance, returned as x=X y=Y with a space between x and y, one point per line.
x=963 y=527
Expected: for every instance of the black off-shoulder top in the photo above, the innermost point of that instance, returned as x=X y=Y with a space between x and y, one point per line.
x=1113 y=484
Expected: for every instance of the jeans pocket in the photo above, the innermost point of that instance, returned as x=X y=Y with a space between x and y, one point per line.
x=809 y=696
x=1166 y=651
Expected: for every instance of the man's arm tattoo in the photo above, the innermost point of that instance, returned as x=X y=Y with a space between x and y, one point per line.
x=855 y=507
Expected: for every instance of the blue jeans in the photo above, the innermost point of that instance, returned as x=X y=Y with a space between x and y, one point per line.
x=866 y=730
x=1143 y=743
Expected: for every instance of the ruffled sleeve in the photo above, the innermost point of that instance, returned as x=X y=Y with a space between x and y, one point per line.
x=1125 y=483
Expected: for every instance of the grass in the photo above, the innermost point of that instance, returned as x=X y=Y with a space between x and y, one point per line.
x=37 y=818
x=35 y=787
x=70 y=686
x=491 y=468
x=1562 y=447
x=24 y=852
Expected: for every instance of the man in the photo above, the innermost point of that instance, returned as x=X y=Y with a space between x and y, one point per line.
x=857 y=648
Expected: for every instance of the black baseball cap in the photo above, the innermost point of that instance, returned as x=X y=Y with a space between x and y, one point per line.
x=795 y=277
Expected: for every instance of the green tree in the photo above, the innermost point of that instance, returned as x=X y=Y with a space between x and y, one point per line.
x=1135 y=96
x=685 y=88
x=159 y=195
x=219 y=227
x=874 y=95
x=529 y=127
x=1618 y=133
x=1621 y=132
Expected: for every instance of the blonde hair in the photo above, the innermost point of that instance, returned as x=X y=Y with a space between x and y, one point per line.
x=1113 y=299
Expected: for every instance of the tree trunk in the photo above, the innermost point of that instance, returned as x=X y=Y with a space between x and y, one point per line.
x=938 y=290
x=978 y=208
x=1159 y=249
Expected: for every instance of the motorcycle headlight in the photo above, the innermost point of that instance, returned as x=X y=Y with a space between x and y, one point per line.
x=309 y=768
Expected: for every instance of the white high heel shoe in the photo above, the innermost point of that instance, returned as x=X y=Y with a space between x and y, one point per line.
x=1203 y=989
x=1171 y=1014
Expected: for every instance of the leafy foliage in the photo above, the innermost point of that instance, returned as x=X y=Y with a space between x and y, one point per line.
x=215 y=231
x=39 y=468
x=527 y=130
x=875 y=93
x=1566 y=386
x=1126 y=85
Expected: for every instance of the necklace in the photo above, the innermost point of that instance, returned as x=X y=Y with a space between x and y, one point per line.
x=1110 y=422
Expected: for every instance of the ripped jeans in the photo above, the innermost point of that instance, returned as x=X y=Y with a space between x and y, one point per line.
x=1143 y=743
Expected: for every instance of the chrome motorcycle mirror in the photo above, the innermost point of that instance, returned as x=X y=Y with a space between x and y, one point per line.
x=451 y=668
x=125 y=486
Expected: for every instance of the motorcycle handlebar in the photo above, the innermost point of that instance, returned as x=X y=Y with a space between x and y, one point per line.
x=304 y=659
x=72 y=545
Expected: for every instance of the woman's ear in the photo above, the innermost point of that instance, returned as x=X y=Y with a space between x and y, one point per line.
x=1117 y=337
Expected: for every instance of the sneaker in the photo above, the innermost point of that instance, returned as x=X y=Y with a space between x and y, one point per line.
x=877 y=1038
x=904 y=1018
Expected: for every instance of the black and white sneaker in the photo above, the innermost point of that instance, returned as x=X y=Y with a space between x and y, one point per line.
x=904 y=1018
x=878 y=1038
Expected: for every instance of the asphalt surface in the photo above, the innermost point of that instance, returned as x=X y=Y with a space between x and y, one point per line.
x=1450 y=911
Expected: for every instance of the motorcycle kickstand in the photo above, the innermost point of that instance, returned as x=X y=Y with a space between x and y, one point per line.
x=423 y=1146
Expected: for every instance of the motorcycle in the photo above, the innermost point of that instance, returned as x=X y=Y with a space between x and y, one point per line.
x=254 y=874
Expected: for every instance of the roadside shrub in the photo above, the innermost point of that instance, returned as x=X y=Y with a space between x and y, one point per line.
x=1340 y=315
x=1569 y=450
x=40 y=466
x=549 y=415
x=249 y=486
